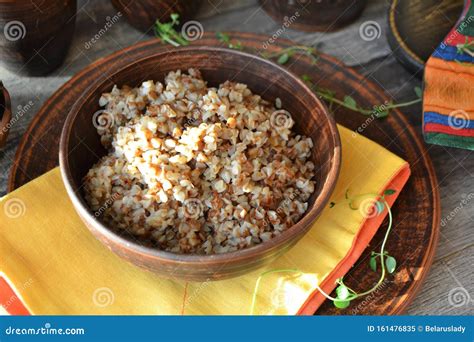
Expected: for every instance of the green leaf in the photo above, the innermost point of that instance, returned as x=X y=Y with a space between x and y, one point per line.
x=342 y=292
x=379 y=206
x=391 y=264
x=326 y=92
x=418 y=92
x=236 y=46
x=306 y=78
x=223 y=37
x=389 y=192
x=341 y=304
x=283 y=58
x=174 y=17
x=350 y=102
x=382 y=113
x=373 y=263
x=165 y=27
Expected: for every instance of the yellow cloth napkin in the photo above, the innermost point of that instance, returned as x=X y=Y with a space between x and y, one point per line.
x=56 y=266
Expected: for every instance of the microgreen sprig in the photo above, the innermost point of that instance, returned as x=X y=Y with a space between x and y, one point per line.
x=349 y=102
x=226 y=39
x=283 y=56
x=344 y=294
x=167 y=33
x=466 y=47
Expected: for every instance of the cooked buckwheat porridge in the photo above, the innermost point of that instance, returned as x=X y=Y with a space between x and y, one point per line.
x=197 y=169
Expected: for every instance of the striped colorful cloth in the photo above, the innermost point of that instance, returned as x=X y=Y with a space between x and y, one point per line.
x=448 y=100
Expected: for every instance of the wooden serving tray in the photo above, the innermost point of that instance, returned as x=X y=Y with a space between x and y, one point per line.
x=416 y=212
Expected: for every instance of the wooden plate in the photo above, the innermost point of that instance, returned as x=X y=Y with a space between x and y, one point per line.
x=416 y=212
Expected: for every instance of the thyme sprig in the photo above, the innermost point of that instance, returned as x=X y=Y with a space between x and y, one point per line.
x=283 y=56
x=349 y=102
x=168 y=34
x=388 y=264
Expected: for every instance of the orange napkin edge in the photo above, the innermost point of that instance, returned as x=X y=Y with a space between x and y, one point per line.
x=361 y=241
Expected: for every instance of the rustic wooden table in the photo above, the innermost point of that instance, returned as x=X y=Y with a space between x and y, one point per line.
x=452 y=269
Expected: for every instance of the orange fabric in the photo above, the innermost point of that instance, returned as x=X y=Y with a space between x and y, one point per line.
x=363 y=238
x=444 y=110
x=432 y=127
x=10 y=300
x=448 y=85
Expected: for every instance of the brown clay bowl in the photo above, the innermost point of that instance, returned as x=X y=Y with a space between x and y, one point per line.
x=5 y=114
x=417 y=27
x=35 y=35
x=142 y=14
x=80 y=148
x=314 y=15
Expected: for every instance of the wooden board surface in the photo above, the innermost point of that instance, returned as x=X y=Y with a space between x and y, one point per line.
x=416 y=213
